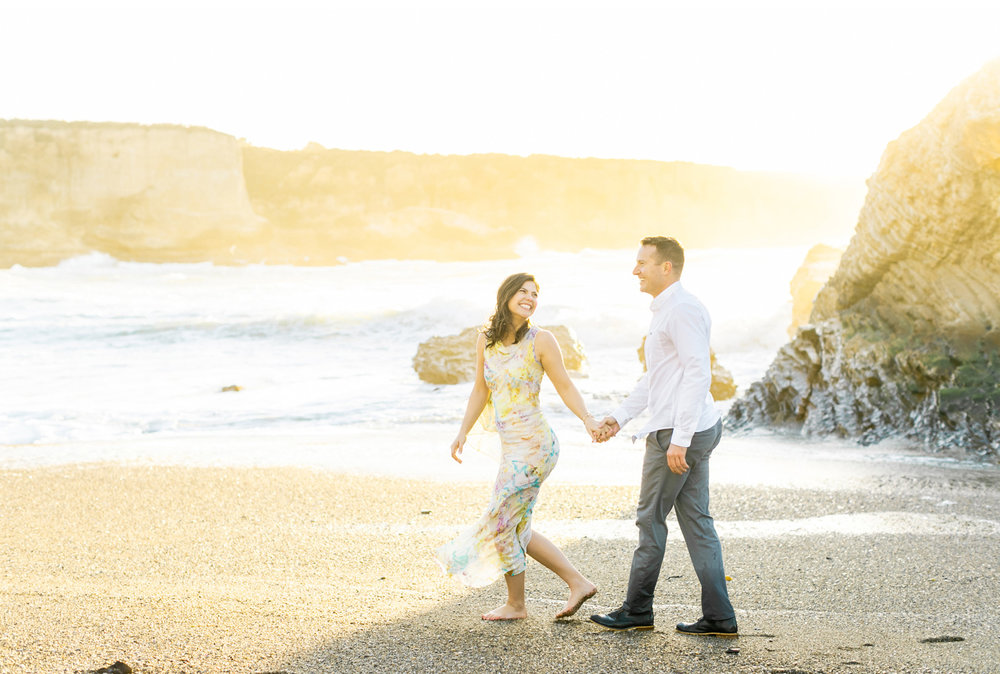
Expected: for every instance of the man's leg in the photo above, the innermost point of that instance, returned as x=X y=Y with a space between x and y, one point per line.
x=698 y=527
x=656 y=496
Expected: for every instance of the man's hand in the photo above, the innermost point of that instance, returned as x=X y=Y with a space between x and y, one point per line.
x=607 y=430
x=676 y=459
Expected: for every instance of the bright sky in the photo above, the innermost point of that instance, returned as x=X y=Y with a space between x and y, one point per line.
x=806 y=86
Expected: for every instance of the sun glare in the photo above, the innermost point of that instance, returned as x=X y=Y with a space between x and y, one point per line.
x=806 y=87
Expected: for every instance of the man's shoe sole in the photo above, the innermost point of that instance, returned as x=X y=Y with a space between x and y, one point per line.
x=710 y=634
x=625 y=629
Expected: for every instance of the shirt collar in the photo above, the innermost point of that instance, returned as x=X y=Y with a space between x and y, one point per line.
x=663 y=298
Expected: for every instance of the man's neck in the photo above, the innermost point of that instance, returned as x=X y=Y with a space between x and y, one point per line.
x=666 y=288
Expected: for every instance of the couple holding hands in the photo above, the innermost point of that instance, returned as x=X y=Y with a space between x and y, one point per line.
x=683 y=429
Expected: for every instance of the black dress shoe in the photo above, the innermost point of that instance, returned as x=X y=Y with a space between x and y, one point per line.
x=718 y=628
x=623 y=620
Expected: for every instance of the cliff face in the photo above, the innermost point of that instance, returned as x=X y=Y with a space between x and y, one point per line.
x=816 y=269
x=150 y=193
x=171 y=194
x=905 y=337
x=396 y=204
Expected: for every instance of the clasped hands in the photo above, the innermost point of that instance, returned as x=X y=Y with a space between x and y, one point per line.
x=601 y=431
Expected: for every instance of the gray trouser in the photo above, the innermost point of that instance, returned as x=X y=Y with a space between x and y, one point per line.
x=662 y=490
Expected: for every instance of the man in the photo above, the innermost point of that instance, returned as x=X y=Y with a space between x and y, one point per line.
x=683 y=429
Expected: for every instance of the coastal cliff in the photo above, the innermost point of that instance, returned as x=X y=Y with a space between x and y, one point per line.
x=904 y=339
x=364 y=205
x=179 y=194
x=817 y=268
x=147 y=193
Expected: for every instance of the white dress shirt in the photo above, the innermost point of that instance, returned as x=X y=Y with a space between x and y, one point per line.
x=678 y=375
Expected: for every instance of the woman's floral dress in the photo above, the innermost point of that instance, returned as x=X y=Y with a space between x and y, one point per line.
x=496 y=544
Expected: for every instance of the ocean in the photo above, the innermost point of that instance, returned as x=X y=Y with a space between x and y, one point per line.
x=96 y=350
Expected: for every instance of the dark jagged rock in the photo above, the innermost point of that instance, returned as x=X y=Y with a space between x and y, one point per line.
x=904 y=339
x=942 y=640
x=118 y=667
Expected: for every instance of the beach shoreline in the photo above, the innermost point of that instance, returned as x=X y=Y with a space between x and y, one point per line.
x=173 y=568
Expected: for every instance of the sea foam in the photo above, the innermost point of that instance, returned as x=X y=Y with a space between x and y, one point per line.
x=97 y=349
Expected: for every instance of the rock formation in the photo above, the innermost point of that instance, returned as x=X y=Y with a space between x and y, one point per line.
x=723 y=385
x=147 y=193
x=364 y=205
x=452 y=359
x=905 y=337
x=170 y=194
x=817 y=268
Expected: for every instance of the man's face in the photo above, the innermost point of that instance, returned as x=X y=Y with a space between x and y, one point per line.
x=654 y=276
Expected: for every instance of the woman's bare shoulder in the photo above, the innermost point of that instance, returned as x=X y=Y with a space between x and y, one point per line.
x=545 y=339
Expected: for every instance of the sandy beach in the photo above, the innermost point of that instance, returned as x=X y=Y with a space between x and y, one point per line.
x=878 y=565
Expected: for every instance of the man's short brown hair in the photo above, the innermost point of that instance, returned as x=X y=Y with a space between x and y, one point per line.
x=667 y=249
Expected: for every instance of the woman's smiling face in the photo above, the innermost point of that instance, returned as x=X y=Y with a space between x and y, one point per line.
x=524 y=301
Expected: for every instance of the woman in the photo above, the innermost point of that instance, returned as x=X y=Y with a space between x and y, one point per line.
x=511 y=356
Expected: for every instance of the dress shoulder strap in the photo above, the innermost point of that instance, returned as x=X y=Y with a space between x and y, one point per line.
x=529 y=341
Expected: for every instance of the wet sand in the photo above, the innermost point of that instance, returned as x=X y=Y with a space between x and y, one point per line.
x=852 y=568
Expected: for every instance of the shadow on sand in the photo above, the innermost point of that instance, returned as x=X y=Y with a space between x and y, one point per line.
x=451 y=637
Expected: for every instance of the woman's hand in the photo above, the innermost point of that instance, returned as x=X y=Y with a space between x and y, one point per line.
x=593 y=428
x=456 y=448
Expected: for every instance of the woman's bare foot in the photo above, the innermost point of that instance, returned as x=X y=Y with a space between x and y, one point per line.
x=506 y=612
x=577 y=595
